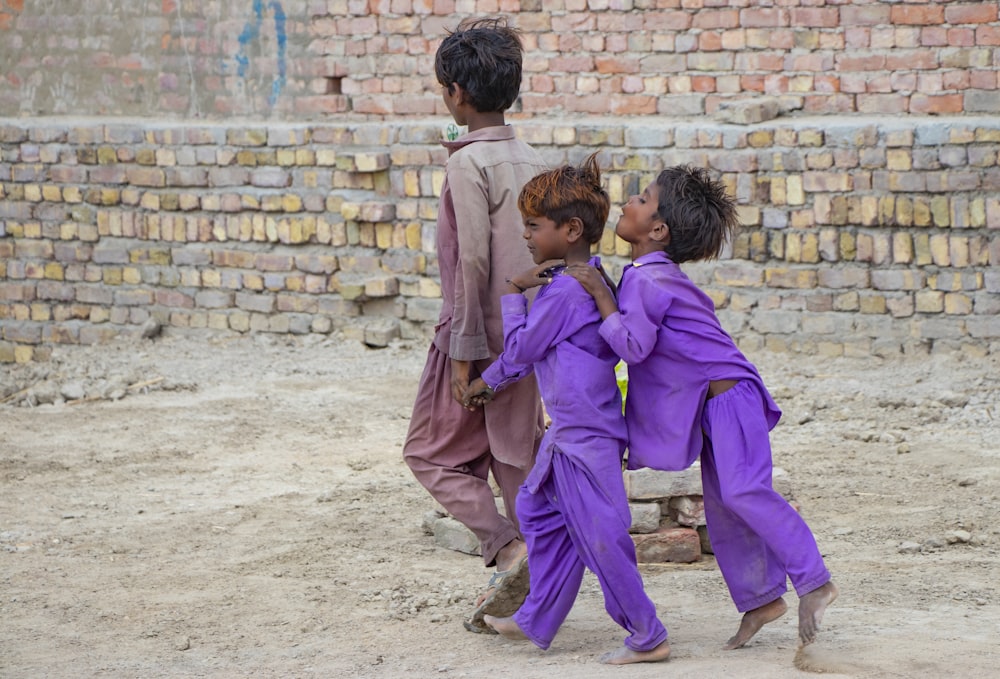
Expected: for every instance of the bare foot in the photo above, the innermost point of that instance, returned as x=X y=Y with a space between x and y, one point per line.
x=627 y=656
x=510 y=554
x=811 y=609
x=505 y=627
x=754 y=620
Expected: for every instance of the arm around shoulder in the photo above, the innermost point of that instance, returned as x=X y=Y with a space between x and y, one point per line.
x=597 y=284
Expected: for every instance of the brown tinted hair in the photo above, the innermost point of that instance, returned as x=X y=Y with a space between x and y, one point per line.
x=568 y=192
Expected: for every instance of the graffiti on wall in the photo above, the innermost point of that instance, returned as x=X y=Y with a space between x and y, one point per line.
x=251 y=34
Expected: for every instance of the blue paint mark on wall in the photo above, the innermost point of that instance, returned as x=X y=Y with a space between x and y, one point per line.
x=279 y=29
x=251 y=32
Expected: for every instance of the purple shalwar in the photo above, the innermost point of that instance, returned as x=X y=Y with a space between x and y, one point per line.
x=450 y=450
x=667 y=331
x=573 y=509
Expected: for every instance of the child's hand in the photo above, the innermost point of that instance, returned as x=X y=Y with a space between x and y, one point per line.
x=460 y=378
x=477 y=395
x=589 y=277
x=598 y=284
x=535 y=276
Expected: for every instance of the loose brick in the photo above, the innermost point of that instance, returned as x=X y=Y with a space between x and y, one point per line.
x=677 y=545
x=649 y=484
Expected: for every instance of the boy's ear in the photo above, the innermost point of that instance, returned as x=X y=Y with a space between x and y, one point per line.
x=660 y=232
x=574 y=229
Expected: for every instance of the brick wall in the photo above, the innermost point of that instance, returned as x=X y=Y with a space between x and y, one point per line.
x=309 y=59
x=232 y=166
x=862 y=235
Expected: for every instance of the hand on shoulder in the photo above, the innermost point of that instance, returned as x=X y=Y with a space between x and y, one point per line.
x=540 y=274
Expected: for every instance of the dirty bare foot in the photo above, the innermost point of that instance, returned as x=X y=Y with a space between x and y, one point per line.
x=811 y=609
x=627 y=656
x=505 y=627
x=510 y=554
x=754 y=620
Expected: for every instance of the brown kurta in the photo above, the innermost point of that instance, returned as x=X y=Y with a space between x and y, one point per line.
x=479 y=240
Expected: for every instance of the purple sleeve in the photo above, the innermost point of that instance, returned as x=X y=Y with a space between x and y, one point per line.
x=642 y=305
x=528 y=338
x=502 y=372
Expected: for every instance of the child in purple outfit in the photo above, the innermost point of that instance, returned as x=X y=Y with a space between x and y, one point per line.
x=572 y=507
x=691 y=392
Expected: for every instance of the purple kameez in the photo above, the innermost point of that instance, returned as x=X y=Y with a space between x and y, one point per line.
x=667 y=331
x=573 y=508
x=450 y=450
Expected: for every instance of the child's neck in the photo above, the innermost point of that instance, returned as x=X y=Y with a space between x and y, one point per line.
x=579 y=254
x=479 y=120
x=645 y=248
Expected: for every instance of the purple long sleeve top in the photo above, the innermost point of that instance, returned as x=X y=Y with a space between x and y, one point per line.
x=667 y=331
x=559 y=340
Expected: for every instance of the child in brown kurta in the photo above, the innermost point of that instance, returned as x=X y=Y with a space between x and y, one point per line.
x=450 y=449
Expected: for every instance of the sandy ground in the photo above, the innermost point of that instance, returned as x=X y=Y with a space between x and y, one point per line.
x=204 y=506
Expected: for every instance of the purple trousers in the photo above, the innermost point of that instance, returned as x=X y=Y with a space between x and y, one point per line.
x=578 y=519
x=757 y=537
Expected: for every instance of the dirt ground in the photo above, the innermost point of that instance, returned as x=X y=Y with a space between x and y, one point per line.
x=219 y=506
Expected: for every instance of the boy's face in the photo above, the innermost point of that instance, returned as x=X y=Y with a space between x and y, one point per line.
x=546 y=239
x=453 y=100
x=639 y=215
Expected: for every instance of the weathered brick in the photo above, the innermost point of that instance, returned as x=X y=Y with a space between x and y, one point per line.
x=847 y=277
x=296 y=303
x=141 y=176
x=649 y=484
x=780 y=322
x=678 y=545
x=274 y=262
x=22 y=333
x=270 y=177
x=382 y=286
x=174 y=299
x=240 y=259
x=318 y=264
x=53 y=290
x=110 y=254
x=93 y=294
x=423 y=310
x=213 y=299
x=898 y=279
x=133 y=297
x=790 y=278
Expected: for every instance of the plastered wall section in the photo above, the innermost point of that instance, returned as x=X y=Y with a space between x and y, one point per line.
x=862 y=236
x=311 y=59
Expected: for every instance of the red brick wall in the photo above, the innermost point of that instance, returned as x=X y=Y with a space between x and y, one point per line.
x=239 y=173
x=307 y=60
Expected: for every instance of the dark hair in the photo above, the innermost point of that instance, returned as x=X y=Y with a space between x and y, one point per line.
x=568 y=192
x=483 y=56
x=696 y=209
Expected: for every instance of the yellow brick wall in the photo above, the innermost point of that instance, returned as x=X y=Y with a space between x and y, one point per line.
x=303 y=228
